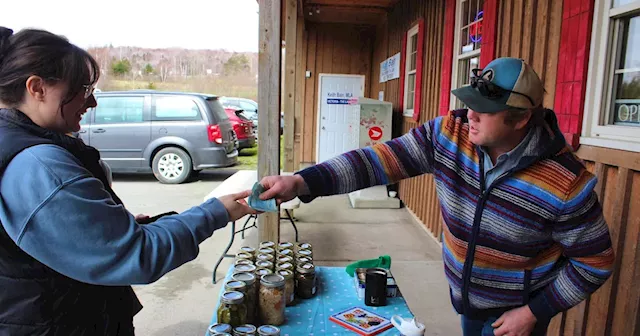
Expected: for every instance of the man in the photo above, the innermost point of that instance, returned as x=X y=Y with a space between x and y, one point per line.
x=524 y=235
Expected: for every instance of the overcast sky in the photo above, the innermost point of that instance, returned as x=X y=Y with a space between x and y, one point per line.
x=193 y=24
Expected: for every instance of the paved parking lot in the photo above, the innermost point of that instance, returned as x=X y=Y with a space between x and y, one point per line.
x=181 y=302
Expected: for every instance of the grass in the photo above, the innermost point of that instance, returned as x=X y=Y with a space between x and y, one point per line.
x=232 y=87
x=248 y=158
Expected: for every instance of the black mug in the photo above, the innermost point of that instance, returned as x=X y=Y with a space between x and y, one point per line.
x=375 y=287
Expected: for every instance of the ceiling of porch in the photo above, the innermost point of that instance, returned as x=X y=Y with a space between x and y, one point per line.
x=346 y=11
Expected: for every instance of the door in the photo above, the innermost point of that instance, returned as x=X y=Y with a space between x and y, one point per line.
x=338 y=116
x=121 y=130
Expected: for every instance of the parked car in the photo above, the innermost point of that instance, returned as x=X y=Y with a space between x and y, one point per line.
x=250 y=109
x=243 y=128
x=171 y=134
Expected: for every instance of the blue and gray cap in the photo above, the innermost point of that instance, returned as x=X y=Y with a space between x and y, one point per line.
x=504 y=84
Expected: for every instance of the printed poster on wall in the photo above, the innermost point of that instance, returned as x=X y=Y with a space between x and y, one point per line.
x=390 y=68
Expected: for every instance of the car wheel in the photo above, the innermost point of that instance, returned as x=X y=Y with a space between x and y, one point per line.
x=171 y=165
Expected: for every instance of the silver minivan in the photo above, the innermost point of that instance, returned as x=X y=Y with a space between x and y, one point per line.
x=172 y=134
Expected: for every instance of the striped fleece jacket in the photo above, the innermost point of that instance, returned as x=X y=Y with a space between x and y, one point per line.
x=535 y=237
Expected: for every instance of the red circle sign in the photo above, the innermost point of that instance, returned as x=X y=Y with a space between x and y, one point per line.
x=375 y=133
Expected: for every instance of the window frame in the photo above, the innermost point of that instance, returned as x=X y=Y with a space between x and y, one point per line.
x=414 y=31
x=597 y=130
x=458 y=55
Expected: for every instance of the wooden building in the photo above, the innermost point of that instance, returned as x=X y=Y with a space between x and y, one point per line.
x=586 y=52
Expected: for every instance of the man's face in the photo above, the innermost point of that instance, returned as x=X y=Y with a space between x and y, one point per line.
x=489 y=129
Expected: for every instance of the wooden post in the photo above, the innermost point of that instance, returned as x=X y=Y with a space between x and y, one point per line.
x=290 y=38
x=269 y=56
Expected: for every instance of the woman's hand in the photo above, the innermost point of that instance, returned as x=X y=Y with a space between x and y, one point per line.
x=236 y=205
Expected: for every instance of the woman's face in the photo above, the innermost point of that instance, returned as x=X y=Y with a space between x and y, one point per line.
x=64 y=118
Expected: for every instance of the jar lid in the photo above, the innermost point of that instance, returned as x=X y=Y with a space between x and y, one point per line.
x=286 y=274
x=243 y=255
x=243 y=262
x=244 y=269
x=306 y=268
x=286 y=252
x=264 y=264
x=304 y=260
x=246 y=328
x=263 y=271
x=247 y=278
x=267 y=250
x=268 y=330
x=285 y=265
x=235 y=285
x=219 y=328
x=304 y=253
x=248 y=249
x=285 y=245
x=232 y=297
x=265 y=257
x=304 y=246
x=283 y=259
x=272 y=280
x=267 y=244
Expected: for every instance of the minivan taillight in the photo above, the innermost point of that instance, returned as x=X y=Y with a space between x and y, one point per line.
x=214 y=134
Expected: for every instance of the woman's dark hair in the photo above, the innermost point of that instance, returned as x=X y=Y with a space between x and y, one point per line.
x=41 y=53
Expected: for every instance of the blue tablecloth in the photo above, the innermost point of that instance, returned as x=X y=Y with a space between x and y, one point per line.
x=336 y=293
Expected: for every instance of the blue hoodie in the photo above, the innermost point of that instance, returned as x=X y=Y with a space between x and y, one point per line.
x=57 y=212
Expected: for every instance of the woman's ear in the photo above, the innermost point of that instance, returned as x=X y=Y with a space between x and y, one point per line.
x=36 y=88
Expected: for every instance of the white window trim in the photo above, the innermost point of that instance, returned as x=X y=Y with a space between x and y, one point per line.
x=409 y=112
x=599 y=83
x=457 y=56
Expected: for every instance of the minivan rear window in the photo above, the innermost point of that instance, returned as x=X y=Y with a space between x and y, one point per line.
x=217 y=109
x=176 y=108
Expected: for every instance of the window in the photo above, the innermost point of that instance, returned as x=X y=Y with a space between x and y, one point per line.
x=612 y=102
x=466 y=44
x=118 y=110
x=176 y=108
x=411 y=71
x=248 y=106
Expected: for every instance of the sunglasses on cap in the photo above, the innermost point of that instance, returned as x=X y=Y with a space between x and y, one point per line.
x=490 y=90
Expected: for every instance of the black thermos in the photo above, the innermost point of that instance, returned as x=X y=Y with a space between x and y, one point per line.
x=375 y=287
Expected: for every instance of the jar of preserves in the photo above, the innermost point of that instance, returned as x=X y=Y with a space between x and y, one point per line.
x=244 y=269
x=243 y=262
x=263 y=271
x=272 y=299
x=267 y=250
x=306 y=281
x=244 y=255
x=304 y=260
x=283 y=259
x=234 y=285
x=285 y=246
x=232 y=310
x=285 y=266
x=248 y=249
x=303 y=246
x=264 y=264
x=268 y=244
x=289 y=286
x=268 y=330
x=286 y=252
x=219 y=329
x=267 y=257
x=304 y=253
x=251 y=295
x=245 y=330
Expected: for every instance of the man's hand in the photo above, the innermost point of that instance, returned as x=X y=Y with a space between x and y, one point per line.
x=283 y=188
x=236 y=205
x=516 y=322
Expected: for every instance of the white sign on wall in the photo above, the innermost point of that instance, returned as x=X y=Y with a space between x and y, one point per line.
x=390 y=68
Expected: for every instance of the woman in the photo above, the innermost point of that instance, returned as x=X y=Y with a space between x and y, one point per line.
x=69 y=250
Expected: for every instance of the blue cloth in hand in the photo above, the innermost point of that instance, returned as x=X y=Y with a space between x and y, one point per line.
x=256 y=203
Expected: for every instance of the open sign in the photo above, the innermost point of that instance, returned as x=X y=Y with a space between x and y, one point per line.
x=627 y=113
